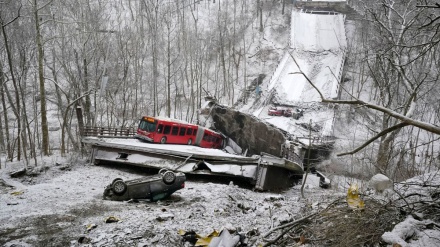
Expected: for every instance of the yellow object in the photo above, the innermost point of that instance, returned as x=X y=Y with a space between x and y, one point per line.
x=202 y=241
x=353 y=199
x=111 y=219
x=16 y=193
x=91 y=226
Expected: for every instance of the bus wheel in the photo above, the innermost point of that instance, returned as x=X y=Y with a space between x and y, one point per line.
x=163 y=140
x=190 y=141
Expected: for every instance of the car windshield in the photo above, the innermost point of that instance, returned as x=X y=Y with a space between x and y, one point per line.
x=147 y=126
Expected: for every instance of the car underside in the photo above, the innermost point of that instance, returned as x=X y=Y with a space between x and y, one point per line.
x=154 y=187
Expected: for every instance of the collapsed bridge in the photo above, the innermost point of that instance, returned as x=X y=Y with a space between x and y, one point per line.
x=266 y=172
x=270 y=161
x=271 y=149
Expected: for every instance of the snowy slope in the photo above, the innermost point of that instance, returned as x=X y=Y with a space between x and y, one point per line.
x=317 y=50
x=318 y=45
x=317 y=31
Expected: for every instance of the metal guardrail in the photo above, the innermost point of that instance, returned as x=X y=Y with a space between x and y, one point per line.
x=335 y=91
x=109 y=132
x=319 y=12
x=316 y=139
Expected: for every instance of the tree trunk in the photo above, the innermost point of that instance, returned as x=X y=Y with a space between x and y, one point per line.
x=79 y=116
x=5 y=115
x=88 y=102
x=168 y=113
x=2 y=135
x=284 y=5
x=260 y=8
x=44 y=125
x=15 y=107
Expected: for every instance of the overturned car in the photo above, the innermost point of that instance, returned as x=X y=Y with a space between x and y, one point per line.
x=155 y=187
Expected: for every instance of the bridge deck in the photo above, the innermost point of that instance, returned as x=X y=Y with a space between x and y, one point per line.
x=267 y=172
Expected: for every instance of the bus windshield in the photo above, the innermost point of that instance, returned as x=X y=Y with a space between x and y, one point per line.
x=147 y=126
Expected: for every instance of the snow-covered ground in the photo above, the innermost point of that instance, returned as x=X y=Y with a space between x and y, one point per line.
x=63 y=206
x=55 y=208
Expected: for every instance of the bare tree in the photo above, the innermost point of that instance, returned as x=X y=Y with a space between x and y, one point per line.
x=39 y=43
x=15 y=104
x=5 y=125
x=172 y=55
x=151 y=8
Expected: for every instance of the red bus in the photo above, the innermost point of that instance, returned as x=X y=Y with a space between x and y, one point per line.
x=173 y=131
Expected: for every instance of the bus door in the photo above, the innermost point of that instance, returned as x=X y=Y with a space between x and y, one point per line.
x=164 y=131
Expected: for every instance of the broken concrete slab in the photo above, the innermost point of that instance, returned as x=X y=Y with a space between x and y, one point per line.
x=248 y=132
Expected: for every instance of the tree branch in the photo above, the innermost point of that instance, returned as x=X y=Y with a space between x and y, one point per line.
x=409 y=121
x=382 y=133
x=436 y=5
x=11 y=21
x=422 y=125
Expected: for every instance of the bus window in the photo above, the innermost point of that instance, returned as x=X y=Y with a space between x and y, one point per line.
x=160 y=128
x=147 y=126
x=167 y=129
x=207 y=137
x=195 y=132
x=175 y=130
x=189 y=131
x=182 y=131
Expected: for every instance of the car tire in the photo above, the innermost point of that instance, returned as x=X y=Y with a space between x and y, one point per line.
x=190 y=141
x=119 y=187
x=169 y=177
x=116 y=179
x=162 y=171
x=163 y=140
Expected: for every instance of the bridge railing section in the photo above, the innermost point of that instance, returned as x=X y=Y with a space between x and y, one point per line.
x=109 y=132
x=323 y=139
x=290 y=154
x=335 y=88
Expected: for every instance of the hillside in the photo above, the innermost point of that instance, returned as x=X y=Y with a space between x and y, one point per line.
x=118 y=60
